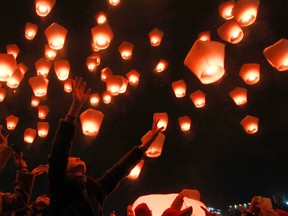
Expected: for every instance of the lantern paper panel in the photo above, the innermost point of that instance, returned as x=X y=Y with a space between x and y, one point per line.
x=30 y=30
x=3 y=92
x=102 y=35
x=11 y=122
x=163 y=119
x=62 y=69
x=43 y=129
x=250 y=124
x=179 y=88
x=250 y=73
x=56 y=36
x=39 y=85
x=14 y=81
x=155 y=149
x=91 y=121
x=23 y=68
x=245 y=12
x=133 y=77
x=13 y=49
x=198 y=98
x=98 y=57
x=184 y=123
x=231 y=32
x=94 y=99
x=126 y=50
x=225 y=9
x=44 y=7
x=43 y=66
x=124 y=85
x=29 y=135
x=239 y=95
x=135 y=172
x=155 y=36
x=8 y=65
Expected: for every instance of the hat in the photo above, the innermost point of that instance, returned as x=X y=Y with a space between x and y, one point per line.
x=142 y=210
x=174 y=212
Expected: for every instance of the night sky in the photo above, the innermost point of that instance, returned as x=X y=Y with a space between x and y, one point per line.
x=217 y=157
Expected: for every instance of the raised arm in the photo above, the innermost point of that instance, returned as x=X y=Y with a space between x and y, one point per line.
x=5 y=150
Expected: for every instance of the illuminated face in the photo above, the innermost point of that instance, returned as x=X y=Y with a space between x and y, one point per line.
x=76 y=166
x=42 y=202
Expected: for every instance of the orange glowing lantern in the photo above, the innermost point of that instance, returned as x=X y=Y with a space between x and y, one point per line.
x=11 y=122
x=35 y=101
x=29 y=135
x=245 y=11
x=101 y=18
x=13 y=49
x=106 y=97
x=239 y=96
x=98 y=58
x=163 y=120
x=185 y=123
x=43 y=7
x=43 y=111
x=155 y=36
x=2 y=94
x=43 y=66
x=231 y=32
x=198 y=98
x=30 y=30
x=156 y=147
x=91 y=121
x=161 y=66
x=23 y=68
x=15 y=79
x=250 y=73
x=179 y=88
x=133 y=77
x=225 y=9
x=250 y=124
x=105 y=73
x=62 y=69
x=206 y=60
x=277 y=54
x=113 y=84
x=204 y=36
x=39 y=85
x=113 y=2
x=124 y=85
x=102 y=35
x=50 y=53
x=68 y=85
x=135 y=172
x=126 y=50
x=8 y=65
x=91 y=63
x=55 y=35
x=43 y=129
x=94 y=99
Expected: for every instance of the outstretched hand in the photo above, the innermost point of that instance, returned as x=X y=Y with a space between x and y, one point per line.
x=80 y=94
x=3 y=139
x=39 y=170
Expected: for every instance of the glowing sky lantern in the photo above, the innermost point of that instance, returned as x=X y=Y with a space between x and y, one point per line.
x=91 y=121
x=68 y=85
x=206 y=60
x=113 y=84
x=43 y=129
x=2 y=94
x=30 y=30
x=94 y=99
x=55 y=35
x=155 y=36
x=102 y=35
x=184 y=123
x=39 y=85
x=198 y=98
x=204 y=36
x=277 y=54
x=91 y=63
x=50 y=53
x=163 y=119
x=62 y=69
x=231 y=32
x=13 y=49
x=245 y=12
x=106 y=97
x=43 y=7
x=11 y=122
x=179 y=88
x=161 y=66
x=250 y=73
x=126 y=50
x=155 y=149
x=135 y=172
x=43 y=111
x=114 y=2
x=29 y=135
x=43 y=66
x=15 y=79
x=35 y=101
x=23 y=68
x=225 y=9
x=250 y=124
x=133 y=77
x=239 y=95
x=8 y=65
x=98 y=58
x=124 y=85
x=100 y=18
x=105 y=73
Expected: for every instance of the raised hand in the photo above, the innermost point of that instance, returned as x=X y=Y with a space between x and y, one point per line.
x=39 y=170
x=19 y=161
x=3 y=139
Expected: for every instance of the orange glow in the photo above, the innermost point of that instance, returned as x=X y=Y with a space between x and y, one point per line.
x=161 y=66
x=8 y=65
x=55 y=35
x=156 y=147
x=163 y=120
x=231 y=32
x=113 y=84
x=179 y=88
x=43 y=7
x=43 y=129
x=225 y=9
x=23 y=68
x=39 y=85
x=113 y=2
x=29 y=135
x=204 y=36
x=239 y=96
x=206 y=60
x=43 y=66
x=98 y=58
x=250 y=73
x=30 y=30
x=35 y=101
x=101 y=18
x=184 y=123
x=11 y=122
x=250 y=124
x=43 y=111
x=105 y=73
x=106 y=97
x=68 y=85
x=102 y=35
x=91 y=63
x=13 y=49
x=136 y=171
x=245 y=12
x=126 y=50
x=198 y=98
x=133 y=77
x=91 y=121
x=155 y=36
x=94 y=99
x=124 y=85
x=15 y=79
x=50 y=53
x=62 y=69
x=2 y=94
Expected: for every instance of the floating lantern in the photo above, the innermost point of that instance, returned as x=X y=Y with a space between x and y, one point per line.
x=156 y=147
x=185 y=123
x=8 y=65
x=15 y=79
x=113 y=84
x=13 y=49
x=239 y=96
x=94 y=99
x=245 y=11
x=55 y=35
x=2 y=94
x=198 y=98
x=126 y=50
x=179 y=88
x=101 y=18
x=113 y=2
x=225 y=9
x=98 y=58
x=23 y=68
x=135 y=172
x=250 y=73
x=50 y=53
x=91 y=63
x=35 y=101
x=277 y=54
x=91 y=121
x=68 y=85
x=39 y=85
x=106 y=97
x=43 y=7
x=155 y=36
x=30 y=30
x=11 y=122
x=102 y=35
x=43 y=66
x=231 y=32
x=204 y=36
x=161 y=66
x=250 y=124
x=29 y=135
x=62 y=69
x=105 y=73
x=43 y=111
x=163 y=120
x=206 y=60
x=124 y=85
x=43 y=129
x=133 y=77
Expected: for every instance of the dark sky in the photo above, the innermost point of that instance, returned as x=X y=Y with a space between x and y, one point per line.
x=216 y=157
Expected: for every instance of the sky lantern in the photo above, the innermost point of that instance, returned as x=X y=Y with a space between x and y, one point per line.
x=39 y=85
x=98 y=57
x=184 y=123
x=15 y=79
x=23 y=68
x=11 y=122
x=277 y=54
x=94 y=99
x=8 y=65
x=68 y=85
x=206 y=60
x=100 y=18
x=113 y=84
x=250 y=73
x=30 y=30
x=50 y=53
x=163 y=120
x=102 y=35
x=156 y=147
x=43 y=111
x=250 y=124
x=106 y=97
x=2 y=93
x=135 y=172
x=43 y=7
x=43 y=66
x=245 y=11
x=113 y=2
x=55 y=35
x=43 y=129
x=124 y=85
x=91 y=121
x=179 y=88
x=133 y=77
x=35 y=101
x=161 y=66
x=239 y=95
x=29 y=135
x=126 y=50
x=13 y=49
x=155 y=36
x=198 y=98
x=231 y=32
x=225 y=9
x=204 y=36
x=105 y=73
x=62 y=69
x=91 y=63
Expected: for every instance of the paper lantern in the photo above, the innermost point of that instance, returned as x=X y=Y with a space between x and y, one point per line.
x=155 y=36
x=161 y=66
x=102 y=35
x=55 y=35
x=204 y=36
x=94 y=99
x=231 y=32
x=39 y=85
x=250 y=124
x=15 y=79
x=124 y=85
x=126 y=50
x=277 y=54
x=206 y=60
x=11 y=122
x=23 y=68
x=98 y=58
x=250 y=73
x=8 y=65
x=43 y=129
x=179 y=88
x=101 y=18
x=62 y=69
x=29 y=135
x=2 y=94
x=106 y=97
x=163 y=120
x=105 y=73
x=68 y=85
x=184 y=123
x=113 y=84
x=225 y=9
x=91 y=63
x=13 y=49
x=155 y=149
x=35 y=101
x=135 y=172
x=239 y=96
x=50 y=53
x=43 y=7
x=198 y=98
x=43 y=66
x=133 y=77
x=43 y=111
x=113 y=2
x=30 y=30
x=245 y=12
x=91 y=121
